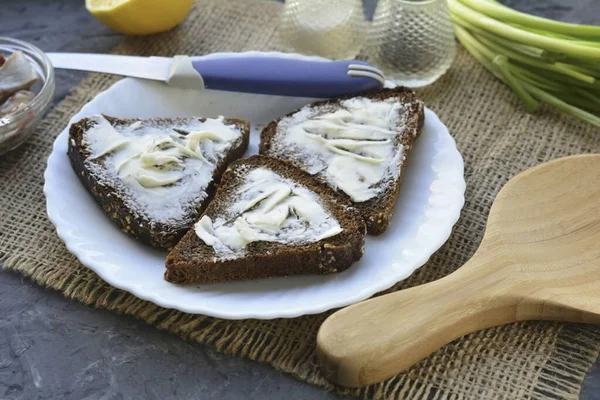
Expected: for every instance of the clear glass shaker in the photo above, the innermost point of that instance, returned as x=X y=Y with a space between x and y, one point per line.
x=328 y=28
x=412 y=41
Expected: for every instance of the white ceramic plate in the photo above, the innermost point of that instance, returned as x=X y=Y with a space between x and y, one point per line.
x=430 y=202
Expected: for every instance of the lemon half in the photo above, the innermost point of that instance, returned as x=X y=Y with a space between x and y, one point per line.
x=139 y=17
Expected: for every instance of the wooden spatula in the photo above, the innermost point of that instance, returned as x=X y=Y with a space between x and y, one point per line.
x=539 y=260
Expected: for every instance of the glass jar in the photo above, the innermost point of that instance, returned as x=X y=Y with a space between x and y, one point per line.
x=412 y=41
x=333 y=29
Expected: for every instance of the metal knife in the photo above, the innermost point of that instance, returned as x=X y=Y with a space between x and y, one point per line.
x=260 y=73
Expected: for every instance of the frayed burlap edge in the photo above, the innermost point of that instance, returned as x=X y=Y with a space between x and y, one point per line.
x=560 y=378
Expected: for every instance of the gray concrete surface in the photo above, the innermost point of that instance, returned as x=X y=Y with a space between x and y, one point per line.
x=51 y=348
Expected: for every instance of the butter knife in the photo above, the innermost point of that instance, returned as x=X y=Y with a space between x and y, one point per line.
x=252 y=72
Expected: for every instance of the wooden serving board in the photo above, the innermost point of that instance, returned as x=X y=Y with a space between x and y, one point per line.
x=539 y=260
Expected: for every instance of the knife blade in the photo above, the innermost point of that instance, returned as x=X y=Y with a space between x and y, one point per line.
x=154 y=68
x=262 y=73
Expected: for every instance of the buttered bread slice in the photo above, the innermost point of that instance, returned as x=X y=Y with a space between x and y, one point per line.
x=268 y=219
x=154 y=177
x=358 y=145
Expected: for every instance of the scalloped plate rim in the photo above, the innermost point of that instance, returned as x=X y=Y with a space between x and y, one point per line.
x=73 y=244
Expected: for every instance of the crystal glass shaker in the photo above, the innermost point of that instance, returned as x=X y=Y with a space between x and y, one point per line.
x=412 y=41
x=329 y=28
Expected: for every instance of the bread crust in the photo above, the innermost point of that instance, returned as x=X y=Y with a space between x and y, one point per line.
x=192 y=261
x=110 y=198
x=377 y=211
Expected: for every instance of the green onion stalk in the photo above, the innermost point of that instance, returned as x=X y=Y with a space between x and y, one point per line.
x=543 y=61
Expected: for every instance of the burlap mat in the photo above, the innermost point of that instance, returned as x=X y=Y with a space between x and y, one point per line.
x=497 y=140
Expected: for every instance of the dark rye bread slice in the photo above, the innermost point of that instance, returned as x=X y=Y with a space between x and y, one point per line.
x=377 y=211
x=193 y=261
x=111 y=195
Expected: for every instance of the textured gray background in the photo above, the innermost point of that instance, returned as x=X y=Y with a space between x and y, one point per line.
x=51 y=348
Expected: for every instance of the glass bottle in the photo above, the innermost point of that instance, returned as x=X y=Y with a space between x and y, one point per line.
x=333 y=29
x=412 y=41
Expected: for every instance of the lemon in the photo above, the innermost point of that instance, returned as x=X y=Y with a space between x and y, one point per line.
x=139 y=17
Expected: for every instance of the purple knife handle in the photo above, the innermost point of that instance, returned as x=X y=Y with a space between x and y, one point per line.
x=283 y=76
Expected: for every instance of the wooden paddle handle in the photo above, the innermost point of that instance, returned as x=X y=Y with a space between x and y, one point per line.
x=376 y=339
